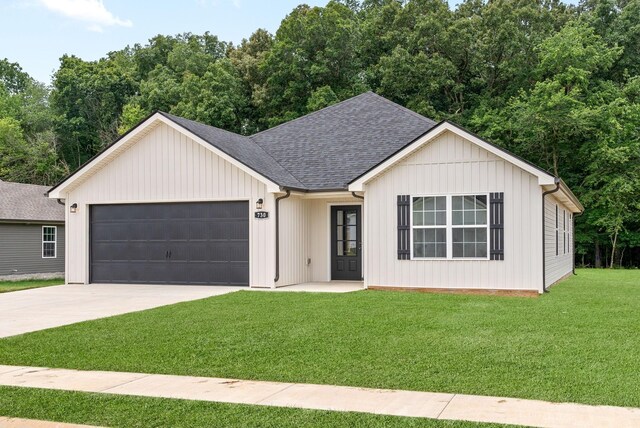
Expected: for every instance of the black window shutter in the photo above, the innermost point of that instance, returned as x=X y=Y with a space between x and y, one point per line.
x=403 y=227
x=496 y=226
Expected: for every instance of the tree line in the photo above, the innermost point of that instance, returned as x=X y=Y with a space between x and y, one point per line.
x=554 y=83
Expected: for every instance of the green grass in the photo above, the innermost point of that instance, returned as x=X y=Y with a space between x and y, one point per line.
x=6 y=286
x=129 y=412
x=578 y=343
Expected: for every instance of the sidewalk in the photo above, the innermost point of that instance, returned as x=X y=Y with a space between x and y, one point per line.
x=32 y=423
x=327 y=397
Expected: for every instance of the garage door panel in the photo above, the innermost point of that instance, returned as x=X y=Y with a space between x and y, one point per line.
x=174 y=243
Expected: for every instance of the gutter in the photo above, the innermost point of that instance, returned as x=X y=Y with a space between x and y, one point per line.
x=544 y=254
x=277 y=277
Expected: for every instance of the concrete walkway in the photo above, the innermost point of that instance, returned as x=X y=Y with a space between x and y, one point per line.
x=33 y=423
x=40 y=308
x=327 y=397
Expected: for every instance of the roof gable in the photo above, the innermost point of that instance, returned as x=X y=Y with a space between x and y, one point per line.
x=544 y=178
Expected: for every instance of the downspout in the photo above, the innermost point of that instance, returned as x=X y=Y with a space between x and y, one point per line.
x=61 y=203
x=357 y=196
x=277 y=277
x=544 y=254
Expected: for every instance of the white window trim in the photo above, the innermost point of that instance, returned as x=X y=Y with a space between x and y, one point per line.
x=55 y=243
x=449 y=226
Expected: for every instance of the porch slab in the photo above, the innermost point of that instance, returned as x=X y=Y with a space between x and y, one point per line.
x=320 y=287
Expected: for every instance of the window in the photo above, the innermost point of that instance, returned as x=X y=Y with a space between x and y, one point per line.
x=564 y=228
x=467 y=213
x=430 y=227
x=49 y=242
x=557 y=252
x=450 y=227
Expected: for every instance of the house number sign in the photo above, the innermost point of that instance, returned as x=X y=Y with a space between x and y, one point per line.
x=261 y=214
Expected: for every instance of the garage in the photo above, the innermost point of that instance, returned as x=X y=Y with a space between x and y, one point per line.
x=196 y=243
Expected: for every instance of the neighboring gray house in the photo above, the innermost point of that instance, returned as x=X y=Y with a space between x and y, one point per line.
x=31 y=232
x=363 y=190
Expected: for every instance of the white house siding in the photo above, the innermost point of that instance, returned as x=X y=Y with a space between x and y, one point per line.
x=557 y=266
x=448 y=165
x=166 y=166
x=305 y=234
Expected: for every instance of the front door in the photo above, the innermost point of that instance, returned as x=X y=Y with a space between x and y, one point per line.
x=346 y=243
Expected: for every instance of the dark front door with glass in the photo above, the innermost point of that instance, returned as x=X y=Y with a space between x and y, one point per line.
x=346 y=243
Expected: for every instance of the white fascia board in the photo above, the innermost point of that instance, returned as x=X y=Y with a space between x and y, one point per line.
x=59 y=192
x=543 y=177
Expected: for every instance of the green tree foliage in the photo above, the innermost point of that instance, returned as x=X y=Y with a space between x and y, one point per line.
x=554 y=83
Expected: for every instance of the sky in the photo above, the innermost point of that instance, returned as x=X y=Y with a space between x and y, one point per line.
x=36 y=33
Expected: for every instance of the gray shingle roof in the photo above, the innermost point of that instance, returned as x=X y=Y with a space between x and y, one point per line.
x=324 y=150
x=27 y=202
x=243 y=149
x=331 y=147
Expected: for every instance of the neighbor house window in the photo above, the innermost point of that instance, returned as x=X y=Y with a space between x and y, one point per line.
x=564 y=229
x=49 y=242
x=449 y=227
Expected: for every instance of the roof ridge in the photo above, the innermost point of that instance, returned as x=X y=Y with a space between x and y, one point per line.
x=201 y=124
x=313 y=113
x=405 y=109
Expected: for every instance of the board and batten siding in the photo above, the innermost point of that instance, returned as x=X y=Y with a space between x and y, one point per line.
x=167 y=166
x=560 y=265
x=305 y=236
x=450 y=164
x=21 y=249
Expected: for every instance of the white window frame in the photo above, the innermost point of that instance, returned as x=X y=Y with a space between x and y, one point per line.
x=449 y=226
x=55 y=242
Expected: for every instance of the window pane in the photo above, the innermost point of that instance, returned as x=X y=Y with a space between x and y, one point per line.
x=441 y=203
x=340 y=246
x=481 y=202
x=352 y=217
x=339 y=216
x=481 y=250
x=469 y=217
x=418 y=250
x=418 y=220
x=48 y=249
x=418 y=235
x=469 y=250
x=429 y=204
x=429 y=218
x=441 y=250
x=351 y=248
x=469 y=202
x=441 y=235
x=457 y=250
x=481 y=217
x=456 y=202
x=430 y=250
x=457 y=234
x=429 y=235
x=340 y=235
x=351 y=233
x=469 y=235
x=441 y=218
x=457 y=218
x=417 y=204
x=481 y=234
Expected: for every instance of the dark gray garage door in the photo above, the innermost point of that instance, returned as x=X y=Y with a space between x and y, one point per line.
x=177 y=243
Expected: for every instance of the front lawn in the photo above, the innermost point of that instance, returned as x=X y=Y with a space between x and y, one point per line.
x=578 y=343
x=129 y=412
x=6 y=286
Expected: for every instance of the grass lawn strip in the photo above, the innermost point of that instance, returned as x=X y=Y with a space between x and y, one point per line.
x=7 y=286
x=120 y=411
x=578 y=343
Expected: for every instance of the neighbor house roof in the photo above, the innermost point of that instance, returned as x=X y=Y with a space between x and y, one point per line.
x=27 y=202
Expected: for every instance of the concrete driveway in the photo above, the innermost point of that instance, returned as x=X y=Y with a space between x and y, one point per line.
x=41 y=308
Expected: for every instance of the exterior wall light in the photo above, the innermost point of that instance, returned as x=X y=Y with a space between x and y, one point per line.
x=259 y=203
x=73 y=208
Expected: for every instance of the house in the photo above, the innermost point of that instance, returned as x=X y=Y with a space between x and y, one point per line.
x=32 y=232
x=361 y=190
